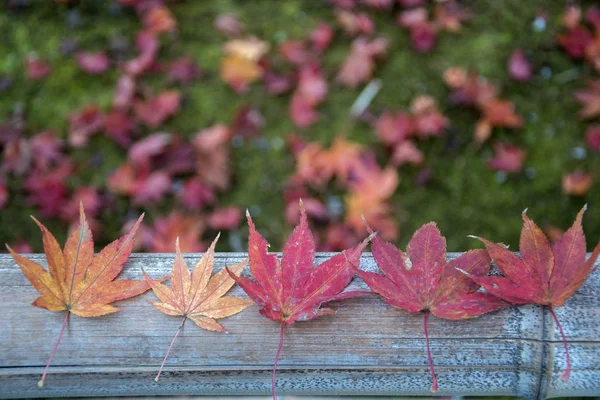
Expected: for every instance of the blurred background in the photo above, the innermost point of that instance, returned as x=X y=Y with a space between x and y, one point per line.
x=404 y=111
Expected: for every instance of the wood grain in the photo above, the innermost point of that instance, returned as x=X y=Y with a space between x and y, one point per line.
x=367 y=348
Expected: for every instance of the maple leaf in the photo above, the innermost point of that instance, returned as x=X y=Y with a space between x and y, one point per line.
x=175 y=226
x=148 y=44
x=592 y=137
x=183 y=70
x=241 y=65
x=577 y=183
x=93 y=63
x=229 y=25
x=421 y=280
x=293 y=290
x=119 y=126
x=519 y=67
x=36 y=68
x=321 y=36
x=83 y=124
x=225 y=218
x=124 y=92
x=575 y=41
x=197 y=295
x=508 y=158
x=159 y=19
x=76 y=280
x=589 y=99
x=157 y=110
x=543 y=275
x=359 y=64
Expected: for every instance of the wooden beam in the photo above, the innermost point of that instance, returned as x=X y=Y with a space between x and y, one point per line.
x=367 y=348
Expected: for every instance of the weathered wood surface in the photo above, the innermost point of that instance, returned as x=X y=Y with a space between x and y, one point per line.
x=367 y=348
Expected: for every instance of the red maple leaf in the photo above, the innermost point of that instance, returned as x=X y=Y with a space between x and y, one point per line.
x=293 y=290
x=422 y=280
x=543 y=275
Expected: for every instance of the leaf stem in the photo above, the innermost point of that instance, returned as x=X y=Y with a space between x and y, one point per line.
x=277 y=360
x=567 y=373
x=434 y=384
x=62 y=330
x=169 y=349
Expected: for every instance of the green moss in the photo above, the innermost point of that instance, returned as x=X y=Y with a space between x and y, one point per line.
x=464 y=196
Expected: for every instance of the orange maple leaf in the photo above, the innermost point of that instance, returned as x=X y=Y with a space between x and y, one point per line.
x=196 y=295
x=76 y=280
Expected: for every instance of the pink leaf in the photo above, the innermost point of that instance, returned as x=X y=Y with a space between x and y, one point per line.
x=423 y=37
x=124 y=92
x=519 y=68
x=119 y=126
x=142 y=151
x=592 y=137
x=322 y=36
x=93 y=63
x=154 y=111
x=152 y=189
x=229 y=25
x=183 y=70
x=195 y=194
x=84 y=124
x=36 y=68
x=508 y=158
x=577 y=183
x=147 y=44
x=226 y=218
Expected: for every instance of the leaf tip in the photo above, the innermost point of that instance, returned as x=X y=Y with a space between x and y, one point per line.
x=524 y=213
x=371 y=236
x=473 y=237
x=585 y=207
x=247 y=213
x=40 y=383
x=156 y=379
x=365 y=223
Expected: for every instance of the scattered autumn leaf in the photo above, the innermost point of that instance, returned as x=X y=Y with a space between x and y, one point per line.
x=589 y=99
x=93 y=63
x=183 y=70
x=543 y=275
x=157 y=110
x=83 y=124
x=359 y=64
x=197 y=295
x=159 y=19
x=166 y=230
x=508 y=158
x=592 y=137
x=577 y=183
x=36 y=68
x=519 y=67
x=241 y=65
